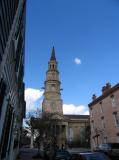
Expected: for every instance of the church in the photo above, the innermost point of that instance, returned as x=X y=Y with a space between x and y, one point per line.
x=69 y=130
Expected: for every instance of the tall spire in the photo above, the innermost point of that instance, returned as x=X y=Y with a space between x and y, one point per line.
x=52 y=102
x=53 y=54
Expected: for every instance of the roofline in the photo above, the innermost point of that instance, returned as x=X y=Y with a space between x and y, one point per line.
x=85 y=117
x=86 y=121
x=106 y=94
x=75 y=114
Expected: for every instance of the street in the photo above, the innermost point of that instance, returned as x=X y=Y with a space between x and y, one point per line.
x=27 y=154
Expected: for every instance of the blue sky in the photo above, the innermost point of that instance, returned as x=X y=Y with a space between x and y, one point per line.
x=83 y=29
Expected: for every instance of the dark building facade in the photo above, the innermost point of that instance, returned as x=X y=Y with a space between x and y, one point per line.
x=12 y=104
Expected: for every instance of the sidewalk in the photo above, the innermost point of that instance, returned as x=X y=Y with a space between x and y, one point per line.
x=78 y=150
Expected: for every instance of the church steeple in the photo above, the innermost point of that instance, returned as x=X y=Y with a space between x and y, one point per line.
x=53 y=61
x=52 y=102
x=53 y=54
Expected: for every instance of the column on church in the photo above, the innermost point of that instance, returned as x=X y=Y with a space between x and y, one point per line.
x=32 y=138
x=54 y=130
x=64 y=135
x=56 y=134
x=66 y=142
x=67 y=132
x=61 y=134
x=63 y=131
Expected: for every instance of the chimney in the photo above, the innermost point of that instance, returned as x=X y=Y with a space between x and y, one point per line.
x=94 y=97
x=106 y=88
x=103 y=89
x=108 y=85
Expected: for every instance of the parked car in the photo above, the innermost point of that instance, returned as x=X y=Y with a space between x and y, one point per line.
x=110 y=148
x=104 y=147
x=75 y=156
x=62 y=155
x=93 y=156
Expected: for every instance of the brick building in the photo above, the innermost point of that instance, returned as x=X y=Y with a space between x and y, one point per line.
x=12 y=104
x=104 y=116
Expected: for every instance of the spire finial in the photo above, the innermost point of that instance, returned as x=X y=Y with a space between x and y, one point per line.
x=53 y=54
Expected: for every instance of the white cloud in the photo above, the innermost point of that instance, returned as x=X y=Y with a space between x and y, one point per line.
x=77 y=61
x=72 y=109
x=31 y=97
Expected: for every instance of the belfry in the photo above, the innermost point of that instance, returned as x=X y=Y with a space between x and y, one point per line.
x=52 y=102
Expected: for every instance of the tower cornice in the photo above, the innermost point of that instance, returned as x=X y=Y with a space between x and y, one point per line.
x=52 y=81
x=52 y=71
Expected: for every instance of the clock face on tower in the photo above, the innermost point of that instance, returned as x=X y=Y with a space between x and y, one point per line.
x=51 y=76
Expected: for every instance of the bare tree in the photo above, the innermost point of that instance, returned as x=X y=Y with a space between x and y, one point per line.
x=44 y=131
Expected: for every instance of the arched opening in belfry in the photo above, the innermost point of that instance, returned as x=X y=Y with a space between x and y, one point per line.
x=53 y=66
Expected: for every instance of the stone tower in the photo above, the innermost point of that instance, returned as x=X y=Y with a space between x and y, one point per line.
x=52 y=102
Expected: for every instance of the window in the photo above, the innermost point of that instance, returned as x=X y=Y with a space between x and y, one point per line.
x=103 y=124
x=101 y=109
x=91 y=113
x=118 y=137
x=105 y=139
x=53 y=85
x=94 y=144
x=113 y=101
x=116 y=120
x=92 y=126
